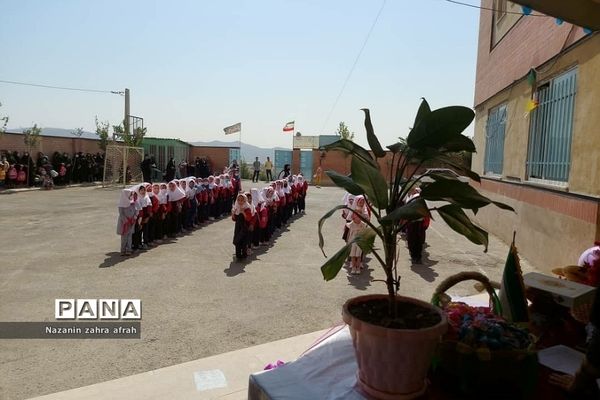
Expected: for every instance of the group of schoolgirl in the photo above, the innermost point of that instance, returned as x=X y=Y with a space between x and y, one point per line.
x=148 y=213
x=259 y=213
x=353 y=224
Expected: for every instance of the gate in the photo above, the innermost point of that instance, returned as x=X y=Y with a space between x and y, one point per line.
x=234 y=154
x=122 y=165
x=282 y=157
x=306 y=164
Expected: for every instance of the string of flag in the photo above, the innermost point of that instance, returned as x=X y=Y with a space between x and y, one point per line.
x=525 y=10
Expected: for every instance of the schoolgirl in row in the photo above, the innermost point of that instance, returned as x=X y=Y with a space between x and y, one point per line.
x=259 y=213
x=165 y=210
x=353 y=224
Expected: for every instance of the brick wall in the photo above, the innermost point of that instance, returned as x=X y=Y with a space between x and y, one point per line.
x=219 y=156
x=49 y=144
x=529 y=43
x=339 y=162
x=553 y=228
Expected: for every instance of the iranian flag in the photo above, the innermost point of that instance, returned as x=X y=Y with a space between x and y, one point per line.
x=289 y=127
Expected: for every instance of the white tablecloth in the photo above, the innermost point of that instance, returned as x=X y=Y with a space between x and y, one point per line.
x=327 y=371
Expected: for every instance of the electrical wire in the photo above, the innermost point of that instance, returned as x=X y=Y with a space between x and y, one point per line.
x=62 y=88
x=460 y=3
x=337 y=99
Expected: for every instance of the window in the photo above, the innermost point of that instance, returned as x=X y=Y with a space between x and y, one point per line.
x=494 y=140
x=500 y=9
x=549 y=155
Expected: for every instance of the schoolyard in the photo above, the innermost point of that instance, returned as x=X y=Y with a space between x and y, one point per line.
x=197 y=301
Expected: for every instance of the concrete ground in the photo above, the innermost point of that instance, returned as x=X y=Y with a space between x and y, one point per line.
x=197 y=301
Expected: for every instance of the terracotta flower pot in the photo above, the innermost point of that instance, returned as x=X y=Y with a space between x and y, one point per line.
x=393 y=363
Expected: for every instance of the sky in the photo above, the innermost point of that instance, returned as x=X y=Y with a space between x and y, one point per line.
x=195 y=67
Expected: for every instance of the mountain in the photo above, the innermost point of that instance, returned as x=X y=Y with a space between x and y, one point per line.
x=249 y=152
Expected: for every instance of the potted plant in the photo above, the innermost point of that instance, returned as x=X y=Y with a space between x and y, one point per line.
x=394 y=336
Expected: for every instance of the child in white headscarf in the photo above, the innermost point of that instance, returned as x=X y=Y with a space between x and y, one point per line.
x=257 y=203
x=241 y=214
x=355 y=226
x=174 y=197
x=126 y=221
x=142 y=205
x=302 y=188
x=271 y=201
x=348 y=201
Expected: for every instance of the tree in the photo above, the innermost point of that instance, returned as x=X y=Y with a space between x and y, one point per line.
x=102 y=133
x=344 y=132
x=3 y=122
x=138 y=136
x=31 y=137
x=130 y=139
x=79 y=131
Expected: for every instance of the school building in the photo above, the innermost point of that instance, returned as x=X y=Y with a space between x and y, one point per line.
x=537 y=132
x=307 y=155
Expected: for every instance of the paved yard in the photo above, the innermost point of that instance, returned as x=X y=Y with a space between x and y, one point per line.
x=196 y=300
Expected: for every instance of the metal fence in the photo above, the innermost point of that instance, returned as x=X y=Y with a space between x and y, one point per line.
x=549 y=153
x=122 y=165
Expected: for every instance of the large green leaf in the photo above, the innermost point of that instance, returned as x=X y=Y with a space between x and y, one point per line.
x=322 y=221
x=424 y=110
x=334 y=263
x=396 y=147
x=349 y=147
x=439 y=127
x=459 y=193
x=371 y=181
x=365 y=239
x=460 y=143
x=371 y=138
x=413 y=210
x=456 y=219
x=345 y=182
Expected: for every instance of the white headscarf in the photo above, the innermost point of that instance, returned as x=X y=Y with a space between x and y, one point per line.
x=252 y=208
x=279 y=190
x=257 y=197
x=125 y=199
x=347 y=198
x=162 y=195
x=287 y=189
x=149 y=192
x=300 y=180
x=237 y=209
x=177 y=194
x=142 y=201
x=190 y=192
x=365 y=210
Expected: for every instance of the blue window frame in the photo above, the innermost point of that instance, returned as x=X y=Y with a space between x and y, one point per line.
x=494 y=140
x=551 y=129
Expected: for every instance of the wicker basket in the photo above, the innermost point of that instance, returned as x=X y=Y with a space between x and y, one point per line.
x=477 y=369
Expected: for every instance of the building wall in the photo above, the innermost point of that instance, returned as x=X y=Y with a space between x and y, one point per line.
x=513 y=56
x=219 y=156
x=553 y=224
x=553 y=228
x=503 y=24
x=584 y=173
x=49 y=144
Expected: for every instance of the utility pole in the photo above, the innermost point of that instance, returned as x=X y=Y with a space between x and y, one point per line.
x=127 y=113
